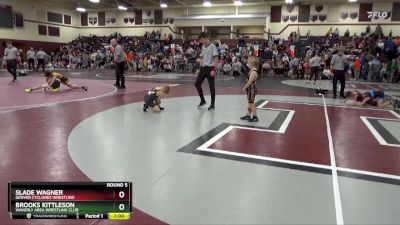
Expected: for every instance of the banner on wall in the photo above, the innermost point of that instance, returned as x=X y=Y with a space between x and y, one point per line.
x=379 y=14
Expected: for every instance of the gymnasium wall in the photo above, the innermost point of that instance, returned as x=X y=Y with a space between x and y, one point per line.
x=125 y=31
x=250 y=31
x=342 y=16
x=125 y=22
x=36 y=14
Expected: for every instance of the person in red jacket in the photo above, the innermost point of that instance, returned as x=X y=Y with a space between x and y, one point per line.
x=357 y=68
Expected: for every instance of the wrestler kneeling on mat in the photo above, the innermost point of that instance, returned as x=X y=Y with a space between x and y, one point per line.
x=54 y=81
x=152 y=98
x=251 y=90
x=371 y=98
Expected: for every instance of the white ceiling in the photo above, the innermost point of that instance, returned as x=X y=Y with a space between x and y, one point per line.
x=140 y=4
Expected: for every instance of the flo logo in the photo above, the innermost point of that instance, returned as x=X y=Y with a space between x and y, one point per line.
x=378 y=14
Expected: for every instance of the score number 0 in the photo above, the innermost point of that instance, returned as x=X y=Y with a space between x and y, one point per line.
x=121 y=194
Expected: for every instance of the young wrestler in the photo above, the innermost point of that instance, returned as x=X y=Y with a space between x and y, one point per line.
x=251 y=90
x=152 y=98
x=372 y=98
x=53 y=81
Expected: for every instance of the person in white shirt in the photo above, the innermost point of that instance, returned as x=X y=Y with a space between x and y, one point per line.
x=236 y=67
x=119 y=59
x=30 y=55
x=208 y=61
x=315 y=63
x=227 y=68
x=11 y=55
x=41 y=57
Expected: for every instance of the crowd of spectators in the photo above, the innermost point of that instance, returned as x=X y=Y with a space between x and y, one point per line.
x=371 y=55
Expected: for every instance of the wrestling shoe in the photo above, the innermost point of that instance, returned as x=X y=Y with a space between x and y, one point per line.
x=161 y=108
x=28 y=90
x=254 y=119
x=202 y=103
x=55 y=90
x=84 y=88
x=145 y=108
x=246 y=117
x=212 y=107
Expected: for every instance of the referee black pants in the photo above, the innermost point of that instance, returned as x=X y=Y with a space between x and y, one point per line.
x=205 y=72
x=40 y=63
x=31 y=63
x=339 y=75
x=314 y=72
x=12 y=67
x=119 y=74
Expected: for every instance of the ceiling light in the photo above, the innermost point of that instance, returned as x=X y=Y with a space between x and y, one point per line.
x=163 y=5
x=94 y=1
x=121 y=7
x=207 y=4
x=238 y=3
x=289 y=1
x=352 y=0
x=80 y=9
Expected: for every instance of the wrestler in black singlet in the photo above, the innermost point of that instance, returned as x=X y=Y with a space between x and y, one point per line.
x=251 y=90
x=150 y=99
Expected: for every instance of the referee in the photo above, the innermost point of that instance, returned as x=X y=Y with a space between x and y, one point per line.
x=119 y=59
x=11 y=54
x=338 y=63
x=41 y=58
x=30 y=54
x=208 y=62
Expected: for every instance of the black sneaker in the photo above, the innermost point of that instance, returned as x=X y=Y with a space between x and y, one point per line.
x=84 y=88
x=145 y=108
x=254 y=119
x=246 y=117
x=117 y=85
x=122 y=87
x=161 y=108
x=212 y=107
x=202 y=103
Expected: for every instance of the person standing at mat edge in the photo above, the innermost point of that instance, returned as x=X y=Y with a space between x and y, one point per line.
x=337 y=65
x=11 y=54
x=208 y=61
x=251 y=90
x=119 y=59
x=41 y=59
x=30 y=54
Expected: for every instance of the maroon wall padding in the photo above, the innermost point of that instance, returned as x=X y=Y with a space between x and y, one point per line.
x=19 y=20
x=54 y=31
x=67 y=19
x=84 y=19
x=42 y=29
x=396 y=11
x=158 y=16
x=102 y=18
x=363 y=15
x=304 y=13
x=276 y=14
x=6 y=16
x=138 y=17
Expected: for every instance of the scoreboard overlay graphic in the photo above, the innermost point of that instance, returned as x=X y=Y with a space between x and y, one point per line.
x=70 y=200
